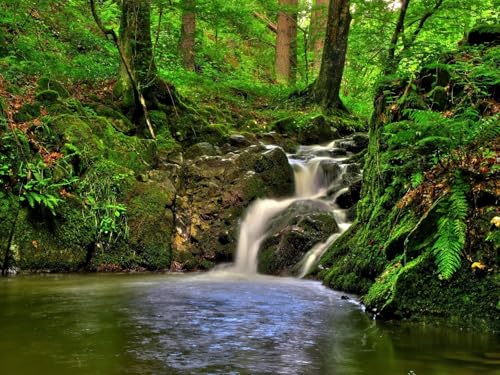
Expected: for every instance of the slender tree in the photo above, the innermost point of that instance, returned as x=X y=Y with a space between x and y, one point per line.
x=319 y=17
x=286 y=41
x=188 y=31
x=327 y=87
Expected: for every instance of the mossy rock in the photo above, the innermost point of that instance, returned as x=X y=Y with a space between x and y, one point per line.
x=151 y=221
x=201 y=149
x=97 y=138
x=273 y=168
x=47 y=97
x=132 y=152
x=216 y=134
x=77 y=132
x=38 y=243
x=119 y=121
x=193 y=128
x=286 y=125
x=315 y=130
x=411 y=291
x=293 y=233
x=46 y=83
x=158 y=119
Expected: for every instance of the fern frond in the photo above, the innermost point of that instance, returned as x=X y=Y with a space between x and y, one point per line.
x=447 y=248
x=451 y=229
x=417 y=179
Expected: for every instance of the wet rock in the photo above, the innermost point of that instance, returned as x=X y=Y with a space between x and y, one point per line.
x=201 y=149
x=338 y=152
x=214 y=194
x=238 y=140
x=331 y=170
x=347 y=199
x=318 y=130
x=282 y=140
x=353 y=169
x=273 y=168
x=351 y=177
x=356 y=143
x=294 y=232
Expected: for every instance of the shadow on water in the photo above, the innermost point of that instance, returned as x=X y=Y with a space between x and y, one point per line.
x=216 y=323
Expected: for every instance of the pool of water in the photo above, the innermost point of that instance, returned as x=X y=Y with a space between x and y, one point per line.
x=215 y=324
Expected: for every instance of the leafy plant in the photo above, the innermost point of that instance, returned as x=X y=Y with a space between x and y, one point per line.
x=452 y=228
x=100 y=190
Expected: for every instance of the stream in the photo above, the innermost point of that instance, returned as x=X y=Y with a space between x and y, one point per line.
x=220 y=323
x=228 y=321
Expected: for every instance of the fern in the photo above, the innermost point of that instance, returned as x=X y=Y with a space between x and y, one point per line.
x=488 y=129
x=447 y=248
x=417 y=179
x=452 y=229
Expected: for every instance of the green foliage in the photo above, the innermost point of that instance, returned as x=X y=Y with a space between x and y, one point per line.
x=416 y=179
x=451 y=230
x=28 y=177
x=100 y=190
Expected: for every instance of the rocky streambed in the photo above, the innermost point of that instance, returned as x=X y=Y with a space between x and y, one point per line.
x=184 y=214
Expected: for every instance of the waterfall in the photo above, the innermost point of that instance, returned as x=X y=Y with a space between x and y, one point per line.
x=316 y=172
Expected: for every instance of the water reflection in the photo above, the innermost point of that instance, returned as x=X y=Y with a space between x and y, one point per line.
x=215 y=324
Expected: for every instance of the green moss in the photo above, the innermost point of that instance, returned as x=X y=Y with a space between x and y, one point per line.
x=39 y=245
x=414 y=290
x=46 y=83
x=253 y=188
x=158 y=119
x=27 y=112
x=267 y=260
x=47 y=97
x=151 y=223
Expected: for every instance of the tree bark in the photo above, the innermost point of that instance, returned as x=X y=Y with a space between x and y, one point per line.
x=139 y=87
x=327 y=88
x=319 y=17
x=188 y=32
x=135 y=42
x=286 y=42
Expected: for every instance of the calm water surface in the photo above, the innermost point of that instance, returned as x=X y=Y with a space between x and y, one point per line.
x=215 y=324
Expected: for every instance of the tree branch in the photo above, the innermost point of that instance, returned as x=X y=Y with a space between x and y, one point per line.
x=270 y=25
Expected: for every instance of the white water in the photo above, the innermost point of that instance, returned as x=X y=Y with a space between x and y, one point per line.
x=311 y=183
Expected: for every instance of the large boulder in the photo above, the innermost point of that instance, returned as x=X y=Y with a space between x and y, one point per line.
x=293 y=233
x=215 y=191
x=151 y=222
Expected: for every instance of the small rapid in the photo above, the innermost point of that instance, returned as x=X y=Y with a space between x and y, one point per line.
x=319 y=173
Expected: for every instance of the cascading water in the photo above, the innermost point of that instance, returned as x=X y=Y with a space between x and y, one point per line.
x=319 y=175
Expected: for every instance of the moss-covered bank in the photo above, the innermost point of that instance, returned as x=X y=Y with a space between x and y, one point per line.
x=425 y=241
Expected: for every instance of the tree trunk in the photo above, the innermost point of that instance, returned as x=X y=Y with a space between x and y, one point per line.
x=319 y=17
x=138 y=61
x=286 y=42
x=188 y=31
x=327 y=88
